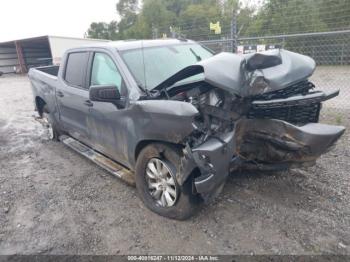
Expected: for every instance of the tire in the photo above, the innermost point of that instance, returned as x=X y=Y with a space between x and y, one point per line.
x=180 y=207
x=52 y=130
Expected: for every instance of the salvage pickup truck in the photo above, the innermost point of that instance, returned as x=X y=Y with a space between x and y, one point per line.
x=175 y=119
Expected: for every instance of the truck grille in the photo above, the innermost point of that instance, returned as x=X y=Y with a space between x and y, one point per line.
x=296 y=114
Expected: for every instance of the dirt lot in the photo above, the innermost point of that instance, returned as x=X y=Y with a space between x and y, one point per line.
x=53 y=201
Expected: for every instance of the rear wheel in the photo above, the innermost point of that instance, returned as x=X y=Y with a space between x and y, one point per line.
x=156 y=170
x=50 y=128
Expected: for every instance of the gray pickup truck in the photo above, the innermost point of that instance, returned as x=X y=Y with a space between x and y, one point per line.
x=175 y=119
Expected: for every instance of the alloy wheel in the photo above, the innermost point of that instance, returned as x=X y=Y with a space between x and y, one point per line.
x=161 y=183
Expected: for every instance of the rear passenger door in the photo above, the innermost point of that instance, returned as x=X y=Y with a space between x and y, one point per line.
x=73 y=96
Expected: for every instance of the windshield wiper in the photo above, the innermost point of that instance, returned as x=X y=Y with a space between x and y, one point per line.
x=198 y=58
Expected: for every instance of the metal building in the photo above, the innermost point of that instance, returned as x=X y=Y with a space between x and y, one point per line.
x=19 y=55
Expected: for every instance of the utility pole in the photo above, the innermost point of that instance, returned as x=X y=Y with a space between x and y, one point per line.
x=234 y=31
x=154 y=32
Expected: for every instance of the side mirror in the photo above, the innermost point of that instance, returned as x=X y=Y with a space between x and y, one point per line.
x=104 y=93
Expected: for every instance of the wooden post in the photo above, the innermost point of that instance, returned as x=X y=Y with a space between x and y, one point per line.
x=19 y=51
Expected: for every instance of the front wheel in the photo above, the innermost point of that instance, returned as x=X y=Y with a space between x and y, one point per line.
x=156 y=170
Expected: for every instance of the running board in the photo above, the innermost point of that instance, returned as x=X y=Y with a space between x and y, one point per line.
x=99 y=159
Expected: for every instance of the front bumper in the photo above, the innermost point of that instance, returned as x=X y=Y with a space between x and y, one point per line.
x=275 y=141
x=275 y=144
x=297 y=100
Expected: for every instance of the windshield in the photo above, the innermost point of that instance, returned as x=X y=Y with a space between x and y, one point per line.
x=157 y=64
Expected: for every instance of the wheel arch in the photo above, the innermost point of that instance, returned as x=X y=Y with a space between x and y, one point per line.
x=143 y=143
x=40 y=104
x=192 y=173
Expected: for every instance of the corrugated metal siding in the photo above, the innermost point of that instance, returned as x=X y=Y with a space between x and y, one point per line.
x=36 y=56
x=8 y=59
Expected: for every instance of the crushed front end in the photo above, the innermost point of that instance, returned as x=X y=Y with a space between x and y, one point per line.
x=256 y=112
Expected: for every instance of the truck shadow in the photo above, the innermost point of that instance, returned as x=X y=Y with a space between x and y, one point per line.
x=293 y=189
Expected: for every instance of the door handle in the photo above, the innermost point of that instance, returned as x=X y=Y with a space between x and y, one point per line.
x=88 y=103
x=60 y=94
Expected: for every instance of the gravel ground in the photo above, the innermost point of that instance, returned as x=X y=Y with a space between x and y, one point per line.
x=53 y=201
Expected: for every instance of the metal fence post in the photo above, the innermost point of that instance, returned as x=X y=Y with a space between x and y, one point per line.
x=234 y=31
x=154 y=32
x=342 y=54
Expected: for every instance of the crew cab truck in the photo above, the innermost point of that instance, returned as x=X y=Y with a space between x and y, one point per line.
x=174 y=118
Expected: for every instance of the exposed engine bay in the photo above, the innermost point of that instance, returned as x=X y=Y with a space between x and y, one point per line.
x=217 y=114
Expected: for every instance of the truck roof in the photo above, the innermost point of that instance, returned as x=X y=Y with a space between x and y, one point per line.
x=135 y=44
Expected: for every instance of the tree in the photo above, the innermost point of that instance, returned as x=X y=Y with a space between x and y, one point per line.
x=98 y=30
x=176 y=6
x=153 y=16
x=286 y=17
x=126 y=7
x=103 y=30
x=335 y=14
x=196 y=18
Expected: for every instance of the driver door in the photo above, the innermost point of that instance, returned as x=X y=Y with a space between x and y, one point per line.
x=106 y=121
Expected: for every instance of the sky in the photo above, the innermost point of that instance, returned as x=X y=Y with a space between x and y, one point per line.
x=30 y=18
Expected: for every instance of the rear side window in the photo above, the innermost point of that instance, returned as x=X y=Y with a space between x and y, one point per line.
x=76 y=68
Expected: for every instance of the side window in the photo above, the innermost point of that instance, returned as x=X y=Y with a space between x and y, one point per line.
x=76 y=68
x=105 y=72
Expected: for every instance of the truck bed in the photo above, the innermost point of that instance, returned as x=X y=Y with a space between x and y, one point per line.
x=44 y=80
x=51 y=70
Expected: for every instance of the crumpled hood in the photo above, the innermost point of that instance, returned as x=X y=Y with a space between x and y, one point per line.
x=251 y=74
